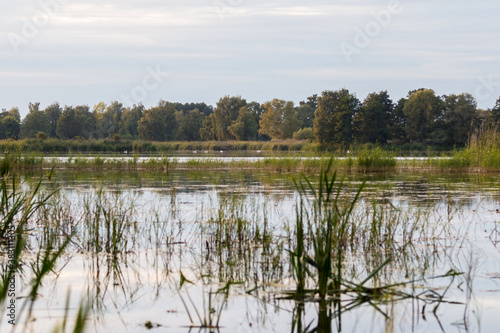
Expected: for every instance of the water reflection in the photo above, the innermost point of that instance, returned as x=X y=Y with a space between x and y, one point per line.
x=230 y=234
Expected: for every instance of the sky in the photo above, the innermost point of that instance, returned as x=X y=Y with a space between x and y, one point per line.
x=84 y=52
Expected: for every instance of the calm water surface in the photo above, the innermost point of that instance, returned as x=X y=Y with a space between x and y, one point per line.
x=169 y=236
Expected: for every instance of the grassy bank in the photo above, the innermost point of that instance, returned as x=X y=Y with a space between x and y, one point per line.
x=136 y=146
x=482 y=154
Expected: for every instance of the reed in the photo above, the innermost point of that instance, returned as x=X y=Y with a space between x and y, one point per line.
x=375 y=159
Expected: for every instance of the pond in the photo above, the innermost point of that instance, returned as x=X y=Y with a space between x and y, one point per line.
x=220 y=251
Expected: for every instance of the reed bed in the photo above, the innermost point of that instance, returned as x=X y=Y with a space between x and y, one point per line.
x=341 y=250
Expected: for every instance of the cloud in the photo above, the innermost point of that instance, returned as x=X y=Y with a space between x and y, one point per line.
x=213 y=46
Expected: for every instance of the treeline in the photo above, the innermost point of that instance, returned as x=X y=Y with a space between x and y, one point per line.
x=336 y=118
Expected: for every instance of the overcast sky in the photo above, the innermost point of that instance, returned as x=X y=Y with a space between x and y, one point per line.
x=83 y=52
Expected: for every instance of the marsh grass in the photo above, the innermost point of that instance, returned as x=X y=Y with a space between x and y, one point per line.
x=483 y=148
x=328 y=222
x=106 y=222
x=330 y=226
x=375 y=159
x=18 y=209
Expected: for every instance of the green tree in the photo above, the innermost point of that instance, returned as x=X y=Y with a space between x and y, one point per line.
x=424 y=112
x=202 y=107
x=14 y=112
x=10 y=127
x=34 y=122
x=66 y=125
x=207 y=131
x=305 y=113
x=226 y=111
x=246 y=126
x=76 y=121
x=495 y=112
x=189 y=125
x=460 y=117
x=279 y=121
x=396 y=123
x=334 y=116
x=129 y=121
x=372 y=118
x=108 y=119
x=158 y=123
x=52 y=113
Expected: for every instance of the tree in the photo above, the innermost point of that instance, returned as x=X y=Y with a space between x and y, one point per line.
x=202 y=107
x=279 y=121
x=246 y=126
x=371 y=122
x=14 y=112
x=11 y=127
x=76 y=121
x=396 y=123
x=226 y=111
x=86 y=121
x=425 y=117
x=334 y=116
x=130 y=118
x=189 y=125
x=108 y=119
x=158 y=123
x=34 y=122
x=52 y=114
x=495 y=112
x=207 y=131
x=305 y=113
x=460 y=117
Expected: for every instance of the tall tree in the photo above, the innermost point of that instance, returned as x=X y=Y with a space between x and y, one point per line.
x=424 y=112
x=226 y=111
x=279 y=121
x=52 y=113
x=76 y=121
x=334 y=116
x=460 y=117
x=372 y=119
x=246 y=126
x=207 y=131
x=10 y=127
x=108 y=119
x=130 y=118
x=397 y=122
x=305 y=113
x=495 y=112
x=189 y=125
x=34 y=122
x=158 y=123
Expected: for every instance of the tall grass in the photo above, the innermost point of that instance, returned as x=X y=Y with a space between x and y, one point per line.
x=375 y=159
x=18 y=209
x=483 y=148
x=331 y=225
x=328 y=224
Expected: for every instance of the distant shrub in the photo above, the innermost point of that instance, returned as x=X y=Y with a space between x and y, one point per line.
x=42 y=136
x=304 y=134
